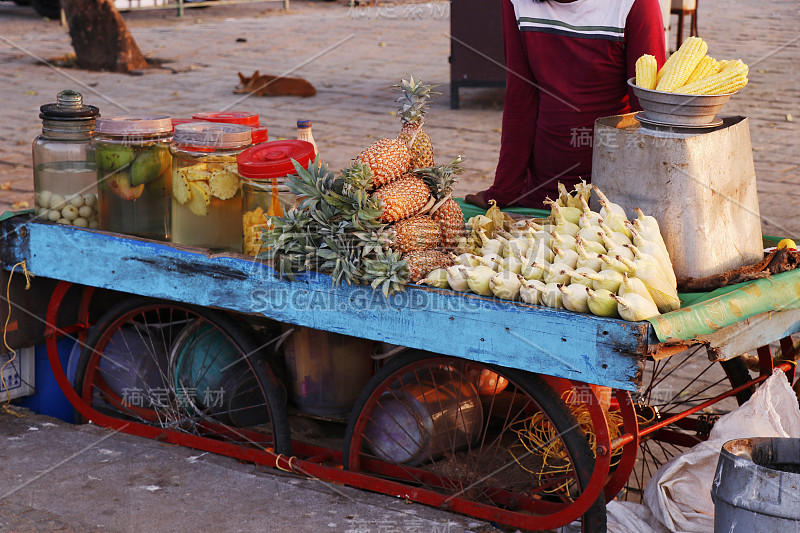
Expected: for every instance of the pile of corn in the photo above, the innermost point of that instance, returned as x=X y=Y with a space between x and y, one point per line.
x=691 y=71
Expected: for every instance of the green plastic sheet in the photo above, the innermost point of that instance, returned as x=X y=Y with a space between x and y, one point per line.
x=729 y=305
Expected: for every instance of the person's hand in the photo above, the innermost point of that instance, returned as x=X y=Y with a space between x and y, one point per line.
x=478 y=199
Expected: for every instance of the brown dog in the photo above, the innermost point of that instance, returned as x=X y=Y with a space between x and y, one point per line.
x=266 y=85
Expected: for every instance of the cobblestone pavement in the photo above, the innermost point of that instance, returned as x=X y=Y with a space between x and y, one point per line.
x=352 y=56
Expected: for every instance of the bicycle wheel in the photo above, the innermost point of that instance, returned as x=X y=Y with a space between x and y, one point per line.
x=183 y=368
x=498 y=444
x=672 y=386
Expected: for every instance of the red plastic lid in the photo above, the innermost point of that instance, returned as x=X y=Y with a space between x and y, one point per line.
x=274 y=159
x=259 y=134
x=229 y=117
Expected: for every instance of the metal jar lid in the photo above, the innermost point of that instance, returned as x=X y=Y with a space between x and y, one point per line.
x=69 y=106
x=135 y=125
x=216 y=135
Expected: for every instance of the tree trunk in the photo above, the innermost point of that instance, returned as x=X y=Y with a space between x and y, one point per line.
x=100 y=36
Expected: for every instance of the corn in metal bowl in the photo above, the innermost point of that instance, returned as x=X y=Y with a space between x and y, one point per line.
x=679 y=109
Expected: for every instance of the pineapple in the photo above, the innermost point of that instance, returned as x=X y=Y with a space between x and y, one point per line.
x=420 y=263
x=416 y=233
x=402 y=198
x=413 y=106
x=446 y=212
x=388 y=159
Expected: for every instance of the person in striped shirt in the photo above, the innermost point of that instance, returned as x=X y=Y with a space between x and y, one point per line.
x=567 y=64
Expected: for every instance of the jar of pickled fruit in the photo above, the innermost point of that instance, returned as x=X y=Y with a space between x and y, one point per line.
x=64 y=170
x=133 y=174
x=258 y=133
x=264 y=169
x=206 y=195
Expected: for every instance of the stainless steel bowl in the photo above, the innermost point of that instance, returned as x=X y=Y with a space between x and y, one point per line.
x=679 y=109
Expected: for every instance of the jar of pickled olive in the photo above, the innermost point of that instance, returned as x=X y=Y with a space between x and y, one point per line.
x=264 y=169
x=206 y=195
x=258 y=133
x=64 y=169
x=133 y=174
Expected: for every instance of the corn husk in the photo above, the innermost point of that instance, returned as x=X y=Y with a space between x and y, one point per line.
x=586 y=259
x=633 y=285
x=505 y=285
x=614 y=249
x=574 y=298
x=436 y=278
x=601 y=303
x=664 y=295
x=555 y=273
x=489 y=245
x=580 y=276
x=619 y=237
x=457 y=278
x=465 y=259
x=635 y=308
x=608 y=206
x=567 y=257
x=478 y=280
x=590 y=234
x=565 y=242
x=551 y=296
x=608 y=279
x=664 y=264
x=540 y=252
x=516 y=246
x=501 y=220
x=583 y=191
x=513 y=264
x=531 y=290
x=613 y=263
x=481 y=222
x=591 y=218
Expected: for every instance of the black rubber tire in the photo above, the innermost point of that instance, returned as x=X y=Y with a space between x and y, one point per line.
x=594 y=520
x=738 y=375
x=47 y=8
x=22 y=2
x=272 y=388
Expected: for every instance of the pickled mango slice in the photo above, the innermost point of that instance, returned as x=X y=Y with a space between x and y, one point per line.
x=224 y=184
x=180 y=188
x=201 y=198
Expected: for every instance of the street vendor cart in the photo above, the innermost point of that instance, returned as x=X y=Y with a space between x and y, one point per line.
x=487 y=411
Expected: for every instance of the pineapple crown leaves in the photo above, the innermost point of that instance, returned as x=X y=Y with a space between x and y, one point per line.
x=388 y=271
x=312 y=184
x=413 y=100
x=441 y=179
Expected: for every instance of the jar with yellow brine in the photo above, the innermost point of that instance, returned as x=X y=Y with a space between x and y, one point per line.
x=264 y=169
x=206 y=195
x=133 y=174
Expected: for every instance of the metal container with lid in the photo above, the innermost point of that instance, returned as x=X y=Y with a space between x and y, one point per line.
x=133 y=174
x=206 y=195
x=64 y=170
x=264 y=169
x=258 y=133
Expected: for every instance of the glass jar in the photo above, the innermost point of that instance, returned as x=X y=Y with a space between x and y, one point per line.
x=258 y=133
x=64 y=170
x=133 y=174
x=206 y=194
x=264 y=169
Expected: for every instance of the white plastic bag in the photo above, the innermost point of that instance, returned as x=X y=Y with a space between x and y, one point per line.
x=679 y=494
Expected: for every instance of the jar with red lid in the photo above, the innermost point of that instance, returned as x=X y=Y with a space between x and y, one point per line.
x=133 y=174
x=258 y=133
x=264 y=169
x=206 y=193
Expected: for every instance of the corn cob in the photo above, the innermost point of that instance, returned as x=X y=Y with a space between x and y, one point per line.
x=732 y=78
x=688 y=56
x=666 y=66
x=705 y=68
x=646 y=71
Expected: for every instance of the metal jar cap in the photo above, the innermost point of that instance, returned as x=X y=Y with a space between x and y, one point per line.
x=69 y=105
x=135 y=125
x=212 y=135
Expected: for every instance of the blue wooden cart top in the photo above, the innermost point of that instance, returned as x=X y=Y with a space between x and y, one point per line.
x=548 y=341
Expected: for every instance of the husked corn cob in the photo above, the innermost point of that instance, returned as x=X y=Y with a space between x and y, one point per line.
x=705 y=68
x=732 y=78
x=646 y=71
x=688 y=56
x=666 y=66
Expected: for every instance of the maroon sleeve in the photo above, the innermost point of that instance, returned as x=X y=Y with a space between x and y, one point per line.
x=644 y=34
x=519 y=115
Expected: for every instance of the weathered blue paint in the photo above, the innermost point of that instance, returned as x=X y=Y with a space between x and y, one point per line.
x=548 y=341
